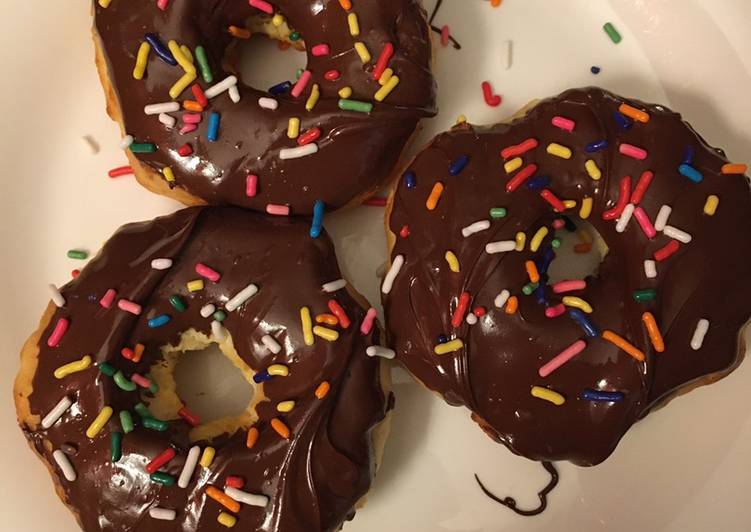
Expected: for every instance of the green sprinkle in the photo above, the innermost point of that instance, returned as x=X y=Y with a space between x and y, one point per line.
x=162 y=478
x=77 y=254
x=294 y=36
x=612 y=33
x=556 y=242
x=219 y=315
x=123 y=383
x=646 y=294
x=142 y=411
x=155 y=424
x=528 y=288
x=153 y=387
x=126 y=421
x=116 y=446
x=299 y=72
x=107 y=369
x=203 y=64
x=354 y=105
x=177 y=303
x=498 y=212
x=143 y=147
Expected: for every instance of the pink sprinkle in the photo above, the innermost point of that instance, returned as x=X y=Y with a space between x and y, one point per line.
x=558 y=223
x=162 y=4
x=276 y=209
x=188 y=128
x=301 y=84
x=251 y=185
x=555 y=311
x=208 y=272
x=569 y=286
x=191 y=118
x=561 y=358
x=142 y=381
x=644 y=222
x=635 y=152
x=108 y=298
x=445 y=36
x=368 y=320
x=320 y=49
x=563 y=123
x=262 y=5
x=58 y=332
x=129 y=306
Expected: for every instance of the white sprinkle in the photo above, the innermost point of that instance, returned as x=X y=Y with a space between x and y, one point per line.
x=161 y=264
x=207 y=310
x=624 y=218
x=126 y=141
x=167 y=120
x=241 y=297
x=217 y=331
x=246 y=498
x=268 y=103
x=57 y=412
x=674 y=232
x=501 y=298
x=471 y=318
x=476 y=227
x=299 y=151
x=650 y=269
x=234 y=94
x=271 y=344
x=507 y=53
x=163 y=514
x=333 y=286
x=380 y=351
x=699 y=333
x=662 y=217
x=190 y=466
x=92 y=144
x=67 y=468
x=56 y=296
x=388 y=280
x=500 y=247
x=159 y=108
x=220 y=87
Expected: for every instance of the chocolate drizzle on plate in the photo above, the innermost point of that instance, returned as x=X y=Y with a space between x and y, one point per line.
x=510 y=502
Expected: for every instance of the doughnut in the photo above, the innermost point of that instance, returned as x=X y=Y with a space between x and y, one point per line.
x=193 y=132
x=97 y=399
x=559 y=369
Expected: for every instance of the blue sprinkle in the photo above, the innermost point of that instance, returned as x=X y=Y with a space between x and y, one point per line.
x=688 y=155
x=410 y=179
x=318 y=209
x=596 y=146
x=622 y=121
x=261 y=376
x=540 y=294
x=690 y=172
x=213 y=131
x=538 y=182
x=579 y=317
x=611 y=397
x=161 y=50
x=543 y=263
x=442 y=339
x=280 y=88
x=456 y=167
x=158 y=321
x=595 y=69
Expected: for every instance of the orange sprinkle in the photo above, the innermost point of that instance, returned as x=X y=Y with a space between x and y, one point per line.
x=495 y=3
x=346 y=4
x=223 y=499
x=633 y=112
x=654 y=332
x=192 y=106
x=138 y=353
x=283 y=45
x=618 y=341
x=281 y=429
x=584 y=247
x=435 y=195
x=734 y=168
x=531 y=267
x=512 y=304
x=252 y=437
x=239 y=33
x=328 y=319
x=323 y=390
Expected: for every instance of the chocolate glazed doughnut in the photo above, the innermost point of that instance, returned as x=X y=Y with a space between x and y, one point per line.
x=334 y=135
x=562 y=373
x=123 y=453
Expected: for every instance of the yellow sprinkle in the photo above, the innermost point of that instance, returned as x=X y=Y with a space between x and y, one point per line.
x=293 y=128
x=169 y=175
x=577 y=302
x=99 y=422
x=187 y=53
x=569 y=203
x=362 y=51
x=548 y=395
x=315 y=93
x=354 y=24
x=453 y=262
x=180 y=57
x=345 y=92
x=195 y=285
x=435 y=195
x=207 y=457
x=226 y=519
x=277 y=20
x=559 y=150
x=182 y=84
x=448 y=347
x=105 y=3
x=142 y=59
x=280 y=370
x=586 y=208
x=710 y=207
x=386 y=76
x=73 y=367
x=593 y=170
x=384 y=91
x=520 y=238
x=327 y=334
x=307 y=325
x=584 y=236
x=541 y=233
x=513 y=165
x=285 y=406
x=461 y=119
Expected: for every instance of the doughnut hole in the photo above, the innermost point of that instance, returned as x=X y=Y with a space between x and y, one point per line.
x=580 y=254
x=210 y=378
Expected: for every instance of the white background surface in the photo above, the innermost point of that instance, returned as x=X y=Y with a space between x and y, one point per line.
x=685 y=468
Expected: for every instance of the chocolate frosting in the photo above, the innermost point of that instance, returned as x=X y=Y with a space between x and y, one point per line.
x=494 y=373
x=357 y=151
x=313 y=479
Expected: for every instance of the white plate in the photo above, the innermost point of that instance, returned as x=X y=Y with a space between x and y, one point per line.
x=685 y=468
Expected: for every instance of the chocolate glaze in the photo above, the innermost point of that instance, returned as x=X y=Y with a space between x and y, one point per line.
x=314 y=479
x=510 y=502
x=493 y=374
x=357 y=151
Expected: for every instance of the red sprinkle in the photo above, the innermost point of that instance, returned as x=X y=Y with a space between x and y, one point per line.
x=665 y=251
x=120 y=171
x=161 y=459
x=127 y=353
x=383 y=60
x=551 y=198
x=461 y=309
x=185 y=150
x=520 y=177
x=493 y=100
x=309 y=136
x=404 y=231
x=234 y=482
x=199 y=95
x=584 y=247
x=191 y=418
x=641 y=187
x=479 y=311
x=519 y=149
x=624 y=195
x=337 y=310
x=375 y=202
x=332 y=75
x=75 y=273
